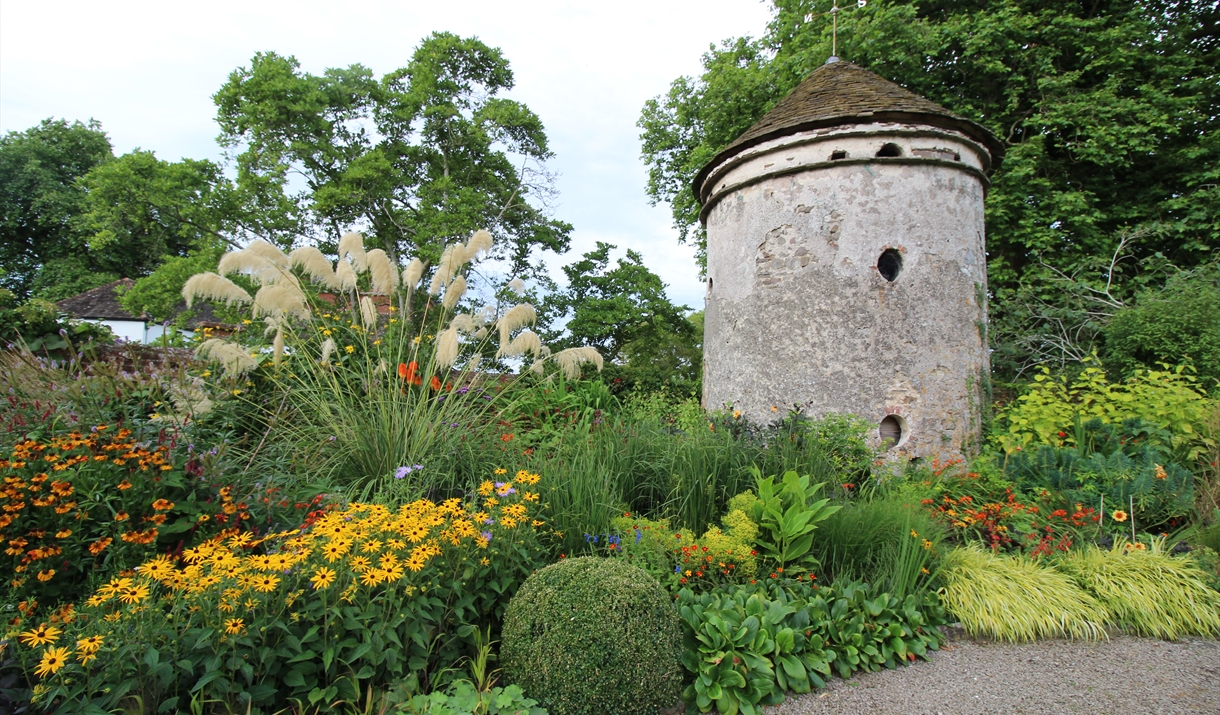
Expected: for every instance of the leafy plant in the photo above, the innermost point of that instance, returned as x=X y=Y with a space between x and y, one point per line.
x=787 y=515
x=1013 y=598
x=865 y=540
x=594 y=636
x=1146 y=590
x=463 y=698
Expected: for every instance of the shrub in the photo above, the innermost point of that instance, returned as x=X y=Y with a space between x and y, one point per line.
x=1011 y=598
x=363 y=597
x=862 y=541
x=747 y=645
x=1147 y=591
x=462 y=698
x=594 y=636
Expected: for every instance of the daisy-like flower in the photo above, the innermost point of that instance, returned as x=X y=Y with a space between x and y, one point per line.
x=52 y=660
x=1119 y=515
x=90 y=644
x=42 y=635
x=266 y=582
x=234 y=626
x=134 y=594
x=322 y=578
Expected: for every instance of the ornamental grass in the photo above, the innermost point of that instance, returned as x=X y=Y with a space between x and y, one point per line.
x=358 y=599
x=1011 y=598
x=1147 y=591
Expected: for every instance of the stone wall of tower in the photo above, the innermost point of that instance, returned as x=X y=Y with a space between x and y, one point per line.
x=798 y=312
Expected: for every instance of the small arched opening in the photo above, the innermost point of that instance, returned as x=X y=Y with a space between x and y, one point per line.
x=890 y=150
x=889 y=264
x=893 y=431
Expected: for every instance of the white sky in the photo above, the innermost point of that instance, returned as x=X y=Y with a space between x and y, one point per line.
x=147 y=71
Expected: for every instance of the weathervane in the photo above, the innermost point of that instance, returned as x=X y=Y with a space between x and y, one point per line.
x=834 y=26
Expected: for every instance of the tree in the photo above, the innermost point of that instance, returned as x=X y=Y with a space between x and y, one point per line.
x=1110 y=112
x=42 y=248
x=624 y=313
x=418 y=159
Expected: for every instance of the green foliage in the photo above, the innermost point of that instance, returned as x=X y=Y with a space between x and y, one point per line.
x=40 y=198
x=1146 y=591
x=1124 y=464
x=1169 y=399
x=593 y=635
x=40 y=327
x=462 y=698
x=1172 y=326
x=1011 y=598
x=787 y=515
x=426 y=154
x=159 y=294
x=1108 y=111
x=865 y=541
x=663 y=407
x=625 y=314
x=747 y=645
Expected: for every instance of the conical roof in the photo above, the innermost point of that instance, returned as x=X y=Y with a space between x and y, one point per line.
x=839 y=93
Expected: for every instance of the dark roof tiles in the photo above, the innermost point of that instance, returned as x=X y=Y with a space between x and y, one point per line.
x=840 y=93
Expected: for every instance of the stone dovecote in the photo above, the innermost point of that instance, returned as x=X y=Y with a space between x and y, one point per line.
x=847 y=263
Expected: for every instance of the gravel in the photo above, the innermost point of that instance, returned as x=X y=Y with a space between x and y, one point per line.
x=1123 y=675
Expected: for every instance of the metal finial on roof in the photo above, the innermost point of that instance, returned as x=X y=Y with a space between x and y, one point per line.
x=834 y=26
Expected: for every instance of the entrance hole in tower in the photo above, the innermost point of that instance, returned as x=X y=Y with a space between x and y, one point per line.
x=889 y=264
x=709 y=285
x=894 y=431
x=838 y=155
x=889 y=150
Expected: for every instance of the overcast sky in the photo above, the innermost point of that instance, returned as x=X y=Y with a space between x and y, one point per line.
x=147 y=71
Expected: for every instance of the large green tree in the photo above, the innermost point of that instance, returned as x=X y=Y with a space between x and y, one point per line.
x=43 y=248
x=421 y=157
x=1109 y=109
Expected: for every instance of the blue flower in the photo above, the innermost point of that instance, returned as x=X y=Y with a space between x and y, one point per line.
x=487 y=536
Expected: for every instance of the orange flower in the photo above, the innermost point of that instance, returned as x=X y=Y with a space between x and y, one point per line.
x=434 y=383
x=410 y=372
x=506 y=437
x=123 y=485
x=121 y=516
x=1119 y=515
x=100 y=545
x=162 y=505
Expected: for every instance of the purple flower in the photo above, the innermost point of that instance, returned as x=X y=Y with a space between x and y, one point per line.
x=402 y=472
x=487 y=536
x=489 y=520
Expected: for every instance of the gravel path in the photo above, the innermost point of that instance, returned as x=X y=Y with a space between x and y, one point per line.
x=1123 y=676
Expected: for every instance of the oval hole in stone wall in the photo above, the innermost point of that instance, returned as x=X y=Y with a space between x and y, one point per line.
x=889 y=150
x=889 y=264
x=893 y=431
x=709 y=285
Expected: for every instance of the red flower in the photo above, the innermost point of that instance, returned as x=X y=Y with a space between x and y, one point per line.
x=434 y=383
x=410 y=372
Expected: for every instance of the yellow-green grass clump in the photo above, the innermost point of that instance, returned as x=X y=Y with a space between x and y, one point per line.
x=1147 y=591
x=1011 y=598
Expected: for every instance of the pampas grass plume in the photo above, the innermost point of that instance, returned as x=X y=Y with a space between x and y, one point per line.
x=232 y=356
x=382 y=271
x=280 y=299
x=517 y=286
x=315 y=265
x=463 y=322
x=368 y=312
x=346 y=275
x=277 y=347
x=451 y=261
x=352 y=244
x=570 y=360
x=214 y=287
x=328 y=349
x=447 y=347
x=413 y=273
x=454 y=292
x=526 y=341
x=268 y=252
x=480 y=243
x=516 y=317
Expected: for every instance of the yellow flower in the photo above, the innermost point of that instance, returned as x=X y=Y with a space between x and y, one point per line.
x=1119 y=515
x=86 y=658
x=52 y=661
x=349 y=349
x=89 y=645
x=486 y=488
x=134 y=594
x=501 y=471
x=485 y=561
x=234 y=626
x=266 y=582
x=42 y=635
x=322 y=578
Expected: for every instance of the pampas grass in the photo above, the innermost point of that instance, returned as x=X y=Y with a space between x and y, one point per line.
x=451 y=262
x=328 y=349
x=517 y=286
x=412 y=274
x=464 y=323
x=1147 y=592
x=447 y=347
x=280 y=299
x=479 y=244
x=571 y=359
x=315 y=265
x=1012 y=598
x=352 y=244
x=382 y=272
x=231 y=356
x=211 y=286
x=268 y=252
x=516 y=317
x=526 y=341
x=346 y=276
x=368 y=312
x=454 y=292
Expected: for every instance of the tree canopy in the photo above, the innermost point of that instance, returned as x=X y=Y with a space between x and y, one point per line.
x=420 y=158
x=1110 y=112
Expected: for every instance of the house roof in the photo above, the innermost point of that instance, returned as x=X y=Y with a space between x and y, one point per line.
x=102 y=303
x=839 y=93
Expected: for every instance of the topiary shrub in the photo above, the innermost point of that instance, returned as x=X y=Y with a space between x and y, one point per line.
x=593 y=636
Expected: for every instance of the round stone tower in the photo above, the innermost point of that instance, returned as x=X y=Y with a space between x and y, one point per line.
x=846 y=263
